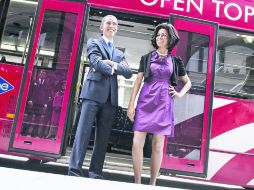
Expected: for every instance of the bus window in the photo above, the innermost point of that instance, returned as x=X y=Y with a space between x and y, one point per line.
x=48 y=85
x=43 y=108
x=234 y=64
x=16 y=31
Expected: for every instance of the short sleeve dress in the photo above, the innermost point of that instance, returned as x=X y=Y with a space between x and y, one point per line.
x=154 y=111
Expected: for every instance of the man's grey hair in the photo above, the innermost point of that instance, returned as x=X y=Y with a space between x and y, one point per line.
x=104 y=18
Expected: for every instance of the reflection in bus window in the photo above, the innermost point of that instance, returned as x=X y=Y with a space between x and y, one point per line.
x=38 y=106
x=57 y=102
x=195 y=56
x=248 y=84
x=47 y=89
x=234 y=64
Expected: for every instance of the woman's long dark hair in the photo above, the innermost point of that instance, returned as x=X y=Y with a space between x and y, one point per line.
x=172 y=33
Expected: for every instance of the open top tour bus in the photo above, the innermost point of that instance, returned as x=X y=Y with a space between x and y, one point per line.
x=43 y=63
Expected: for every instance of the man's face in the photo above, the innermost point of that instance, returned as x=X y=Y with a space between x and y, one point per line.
x=109 y=27
x=43 y=74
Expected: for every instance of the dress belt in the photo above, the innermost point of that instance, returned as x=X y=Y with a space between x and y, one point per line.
x=158 y=80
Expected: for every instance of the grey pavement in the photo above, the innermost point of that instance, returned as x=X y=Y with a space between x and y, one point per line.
x=29 y=180
x=117 y=168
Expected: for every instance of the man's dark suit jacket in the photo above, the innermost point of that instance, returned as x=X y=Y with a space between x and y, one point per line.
x=100 y=79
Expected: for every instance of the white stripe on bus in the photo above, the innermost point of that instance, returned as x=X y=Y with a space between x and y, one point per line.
x=251 y=182
x=219 y=102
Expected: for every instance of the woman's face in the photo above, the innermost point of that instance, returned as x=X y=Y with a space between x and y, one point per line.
x=64 y=86
x=162 y=38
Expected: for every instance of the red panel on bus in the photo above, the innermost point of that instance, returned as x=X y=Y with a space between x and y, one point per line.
x=9 y=88
x=10 y=79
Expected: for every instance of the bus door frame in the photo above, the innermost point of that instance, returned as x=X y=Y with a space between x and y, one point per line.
x=44 y=147
x=174 y=165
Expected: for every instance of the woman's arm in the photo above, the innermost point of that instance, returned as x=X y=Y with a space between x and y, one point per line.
x=134 y=92
x=187 y=85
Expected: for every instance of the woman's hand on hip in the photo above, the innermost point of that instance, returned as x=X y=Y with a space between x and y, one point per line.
x=172 y=91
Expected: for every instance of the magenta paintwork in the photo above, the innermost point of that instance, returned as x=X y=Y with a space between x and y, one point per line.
x=240 y=113
x=239 y=170
x=10 y=98
x=44 y=145
x=12 y=74
x=225 y=119
x=225 y=14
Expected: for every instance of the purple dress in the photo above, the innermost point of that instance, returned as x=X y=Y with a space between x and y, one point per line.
x=57 y=106
x=154 y=111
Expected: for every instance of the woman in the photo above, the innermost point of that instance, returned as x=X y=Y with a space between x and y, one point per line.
x=56 y=112
x=154 y=112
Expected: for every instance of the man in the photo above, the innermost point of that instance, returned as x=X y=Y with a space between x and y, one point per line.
x=100 y=98
x=37 y=105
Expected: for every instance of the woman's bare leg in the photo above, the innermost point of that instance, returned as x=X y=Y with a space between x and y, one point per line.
x=156 y=158
x=137 y=154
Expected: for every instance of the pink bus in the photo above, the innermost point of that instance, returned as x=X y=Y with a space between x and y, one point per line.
x=43 y=52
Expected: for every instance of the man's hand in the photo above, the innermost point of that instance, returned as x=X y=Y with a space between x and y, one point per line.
x=108 y=62
x=124 y=63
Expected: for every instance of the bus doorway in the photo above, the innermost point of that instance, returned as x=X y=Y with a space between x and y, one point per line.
x=46 y=91
x=187 y=152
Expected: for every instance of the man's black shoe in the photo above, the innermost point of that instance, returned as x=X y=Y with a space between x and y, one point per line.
x=95 y=176
x=75 y=172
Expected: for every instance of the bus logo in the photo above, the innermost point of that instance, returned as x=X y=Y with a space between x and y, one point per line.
x=5 y=86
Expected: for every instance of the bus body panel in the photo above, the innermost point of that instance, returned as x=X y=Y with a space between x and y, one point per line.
x=231 y=143
x=10 y=76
